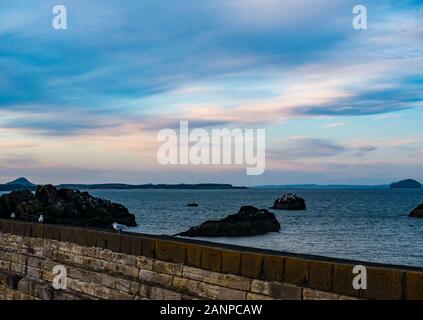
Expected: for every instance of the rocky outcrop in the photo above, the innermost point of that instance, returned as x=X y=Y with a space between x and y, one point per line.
x=418 y=212
x=64 y=206
x=192 y=205
x=289 y=201
x=249 y=221
x=406 y=184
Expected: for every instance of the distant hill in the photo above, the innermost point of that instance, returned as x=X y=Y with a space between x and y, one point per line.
x=25 y=184
x=21 y=182
x=406 y=184
x=18 y=184
x=150 y=186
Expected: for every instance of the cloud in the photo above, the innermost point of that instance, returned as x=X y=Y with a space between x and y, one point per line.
x=335 y=124
x=297 y=148
x=127 y=71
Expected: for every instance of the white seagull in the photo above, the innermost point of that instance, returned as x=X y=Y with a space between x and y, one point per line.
x=41 y=219
x=119 y=227
x=13 y=215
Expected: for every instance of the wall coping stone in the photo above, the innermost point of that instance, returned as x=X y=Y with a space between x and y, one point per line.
x=54 y=234
x=290 y=268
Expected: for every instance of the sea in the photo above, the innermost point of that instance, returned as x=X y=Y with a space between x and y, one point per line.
x=360 y=224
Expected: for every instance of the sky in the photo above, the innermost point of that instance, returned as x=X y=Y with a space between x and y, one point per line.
x=84 y=105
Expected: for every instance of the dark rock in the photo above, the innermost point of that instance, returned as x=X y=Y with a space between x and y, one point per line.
x=9 y=202
x=406 y=184
x=192 y=205
x=289 y=201
x=418 y=212
x=249 y=221
x=64 y=206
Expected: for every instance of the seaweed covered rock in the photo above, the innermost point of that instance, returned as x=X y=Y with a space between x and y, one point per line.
x=64 y=206
x=249 y=221
x=289 y=201
x=418 y=212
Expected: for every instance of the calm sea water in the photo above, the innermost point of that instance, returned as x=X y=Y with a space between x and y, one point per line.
x=370 y=225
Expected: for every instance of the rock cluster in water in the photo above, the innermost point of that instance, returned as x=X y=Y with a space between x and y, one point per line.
x=418 y=212
x=289 y=201
x=249 y=221
x=64 y=206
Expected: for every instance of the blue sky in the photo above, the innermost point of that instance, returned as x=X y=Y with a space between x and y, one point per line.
x=84 y=105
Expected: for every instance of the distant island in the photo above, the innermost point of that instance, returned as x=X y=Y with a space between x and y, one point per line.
x=406 y=184
x=18 y=184
x=150 y=186
x=24 y=184
x=320 y=186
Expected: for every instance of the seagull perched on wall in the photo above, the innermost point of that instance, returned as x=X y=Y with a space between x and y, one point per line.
x=41 y=219
x=119 y=227
x=13 y=215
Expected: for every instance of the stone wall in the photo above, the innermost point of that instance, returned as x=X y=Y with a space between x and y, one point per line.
x=107 y=265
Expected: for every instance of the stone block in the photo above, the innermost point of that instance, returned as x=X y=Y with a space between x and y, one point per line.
x=123 y=285
x=255 y=296
x=211 y=258
x=170 y=251
x=136 y=246
x=167 y=268
x=277 y=290
x=125 y=243
x=144 y=263
x=222 y=293
x=180 y=284
x=383 y=284
x=252 y=265
x=113 y=242
x=296 y=271
x=171 y=295
x=108 y=281
x=273 y=268
x=320 y=275
x=414 y=286
x=157 y=293
x=148 y=246
x=343 y=280
x=193 y=255
x=309 y=294
x=193 y=273
x=197 y=288
x=231 y=262
x=101 y=240
x=134 y=288
x=92 y=238
x=227 y=280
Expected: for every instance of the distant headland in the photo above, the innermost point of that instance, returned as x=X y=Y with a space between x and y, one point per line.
x=403 y=184
x=24 y=184
x=406 y=184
